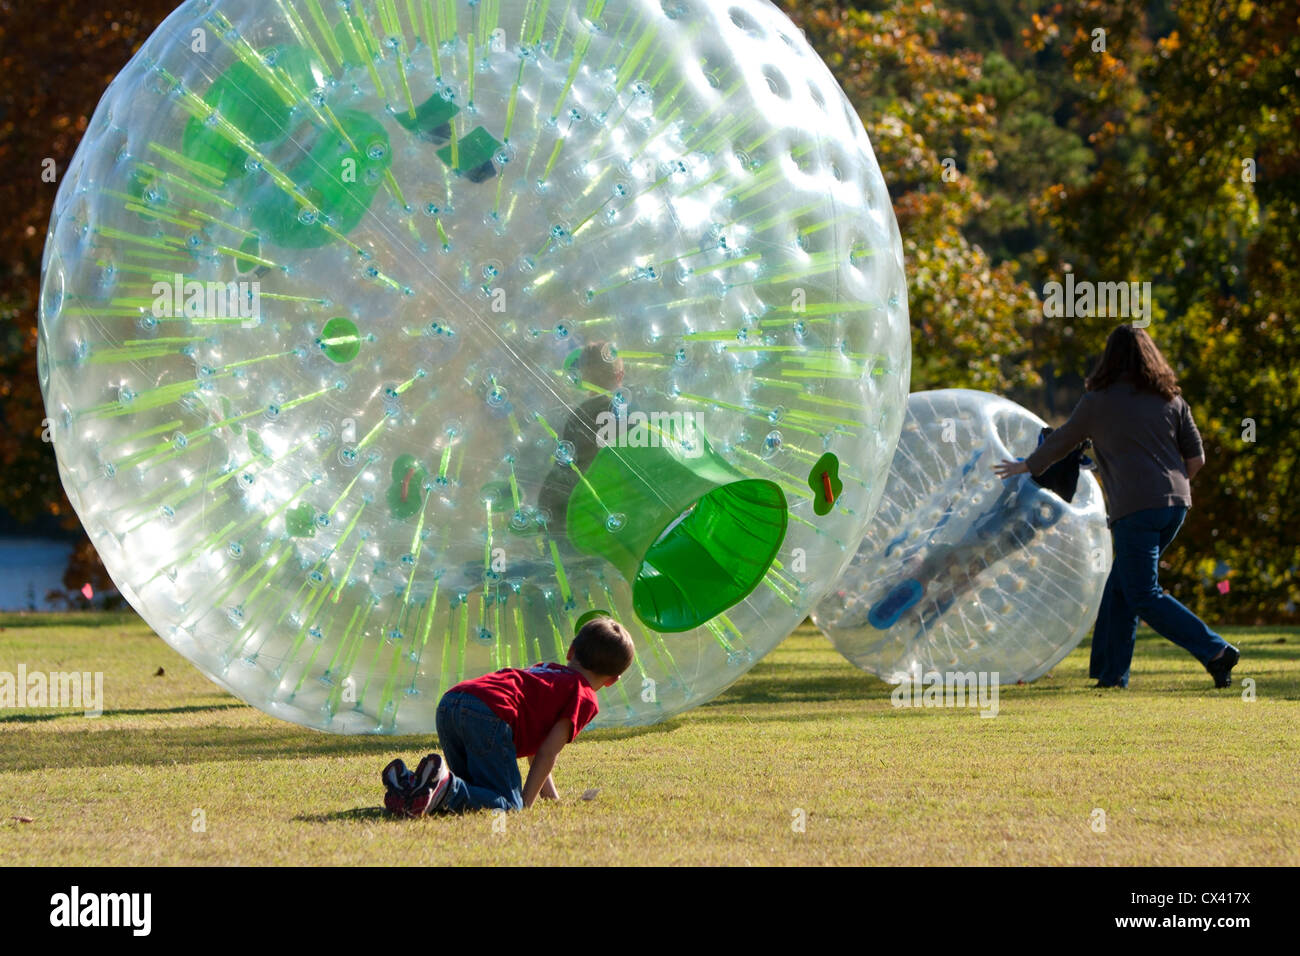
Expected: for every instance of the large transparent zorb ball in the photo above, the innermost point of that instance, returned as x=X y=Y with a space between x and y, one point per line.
x=384 y=341
x=961 y=571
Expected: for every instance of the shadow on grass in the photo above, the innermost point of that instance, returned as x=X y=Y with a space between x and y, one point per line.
x=35 y=749
x=356 y=814
x=1159 y=666
x=836 y=690
x=792 y=683
x=22 y=619
x=32 y=718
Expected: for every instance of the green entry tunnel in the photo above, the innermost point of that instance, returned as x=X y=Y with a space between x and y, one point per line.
x=696 y=535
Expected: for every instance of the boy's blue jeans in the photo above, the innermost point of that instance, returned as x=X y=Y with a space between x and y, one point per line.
x=479 y=748
x=1133 y=591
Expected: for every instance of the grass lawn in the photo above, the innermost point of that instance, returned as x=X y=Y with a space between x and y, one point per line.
x=178 y=772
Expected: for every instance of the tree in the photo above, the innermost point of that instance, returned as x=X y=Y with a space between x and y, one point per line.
x=1197 y=190
x=933 y=127
x=57 y=60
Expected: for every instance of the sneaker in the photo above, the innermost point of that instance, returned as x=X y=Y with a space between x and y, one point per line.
x=397 y=788
x=397 y=778
x=432 y=781
x=397 y=803
x=1221 y=668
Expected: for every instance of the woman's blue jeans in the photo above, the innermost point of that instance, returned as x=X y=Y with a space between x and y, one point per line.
x=1133 y=591
x=479 y=748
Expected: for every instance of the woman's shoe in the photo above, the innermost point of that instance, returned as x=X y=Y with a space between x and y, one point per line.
x=1221 y=667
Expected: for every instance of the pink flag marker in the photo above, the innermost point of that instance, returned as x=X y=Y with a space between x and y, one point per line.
x=87 y=591
x=1224 y=587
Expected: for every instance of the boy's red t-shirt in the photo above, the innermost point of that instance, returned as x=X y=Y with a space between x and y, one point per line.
x=532 y=701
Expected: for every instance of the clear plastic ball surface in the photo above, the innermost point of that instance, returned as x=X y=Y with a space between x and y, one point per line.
x=961 y=571
x=384 y=341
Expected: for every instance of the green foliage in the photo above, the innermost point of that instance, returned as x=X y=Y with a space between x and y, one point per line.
x=1109 y=139
x=1174 y=200
x=57 y=60
x=934 y=131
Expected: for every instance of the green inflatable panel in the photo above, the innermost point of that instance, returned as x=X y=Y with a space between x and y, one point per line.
x=340 y=340
x=693 y=536
x=432 y=120
x=341 y=179
x=300 y=522
x=406 y=493
x=473 y=155
x=249 y=102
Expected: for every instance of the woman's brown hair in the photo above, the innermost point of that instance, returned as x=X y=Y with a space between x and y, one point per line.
x=1131 y=356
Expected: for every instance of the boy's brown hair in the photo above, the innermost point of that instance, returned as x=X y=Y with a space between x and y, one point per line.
x=604 y=646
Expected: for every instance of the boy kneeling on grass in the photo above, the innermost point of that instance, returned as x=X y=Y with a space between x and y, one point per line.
x=486 y=724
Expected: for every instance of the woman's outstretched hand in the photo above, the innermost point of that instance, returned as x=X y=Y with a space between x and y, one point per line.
x=1008 y=468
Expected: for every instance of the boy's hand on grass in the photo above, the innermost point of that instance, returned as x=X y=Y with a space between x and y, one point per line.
x=539 y=767
x=548 y=789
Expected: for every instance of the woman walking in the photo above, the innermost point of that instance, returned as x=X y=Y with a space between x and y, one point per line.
x=1148 y=449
